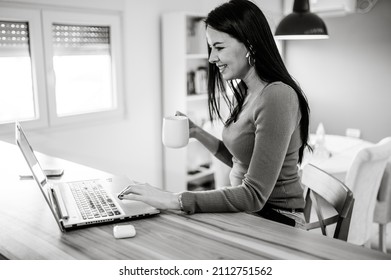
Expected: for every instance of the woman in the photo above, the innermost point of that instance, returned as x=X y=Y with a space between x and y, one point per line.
x=266 y=132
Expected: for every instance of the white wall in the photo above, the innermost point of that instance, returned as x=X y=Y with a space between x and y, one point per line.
x=347 y=77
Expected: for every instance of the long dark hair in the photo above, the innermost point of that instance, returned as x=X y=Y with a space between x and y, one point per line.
x=245 y=22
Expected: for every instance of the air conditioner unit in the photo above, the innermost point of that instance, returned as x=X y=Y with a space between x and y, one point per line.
x=329 y=8
x=333 y=7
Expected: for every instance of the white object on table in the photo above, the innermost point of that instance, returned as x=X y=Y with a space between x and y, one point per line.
x=124 y=231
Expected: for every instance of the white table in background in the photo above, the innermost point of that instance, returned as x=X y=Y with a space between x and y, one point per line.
x=342 y=150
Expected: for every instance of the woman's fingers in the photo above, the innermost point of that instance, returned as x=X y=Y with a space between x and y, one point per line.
x=132 y=196
x=178 y=113
x=152 y=200
x=192 y=125
x=134 y=188
x=152 y=196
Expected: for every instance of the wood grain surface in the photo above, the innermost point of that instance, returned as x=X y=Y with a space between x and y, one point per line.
x=28 y=230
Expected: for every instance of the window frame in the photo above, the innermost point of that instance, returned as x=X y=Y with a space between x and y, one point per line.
x=48 y=18
x=41 y=54
x=33 y=17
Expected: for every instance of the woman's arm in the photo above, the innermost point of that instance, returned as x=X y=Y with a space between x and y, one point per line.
x=212 y=143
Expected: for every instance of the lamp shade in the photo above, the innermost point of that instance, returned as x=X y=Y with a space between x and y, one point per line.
x=301 y=24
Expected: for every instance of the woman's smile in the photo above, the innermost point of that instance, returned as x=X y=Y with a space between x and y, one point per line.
x=222 y=67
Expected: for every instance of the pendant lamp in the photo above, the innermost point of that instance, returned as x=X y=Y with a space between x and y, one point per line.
x=301 y=24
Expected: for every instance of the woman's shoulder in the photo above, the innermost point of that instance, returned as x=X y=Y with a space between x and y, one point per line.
x=276 y=98
x=278 y=91
x=278 y=87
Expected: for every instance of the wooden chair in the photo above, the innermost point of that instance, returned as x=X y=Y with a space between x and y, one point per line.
x=323 y=191
x=382 y=215
x=363 y=178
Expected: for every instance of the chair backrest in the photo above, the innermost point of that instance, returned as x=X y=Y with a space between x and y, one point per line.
x=383 y=204
x=322 y=187
x=382 y=214
x=363 y=178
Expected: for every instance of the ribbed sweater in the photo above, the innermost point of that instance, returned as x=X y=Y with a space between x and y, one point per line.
x=263 y=145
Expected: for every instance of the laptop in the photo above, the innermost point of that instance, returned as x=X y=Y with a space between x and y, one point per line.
x=83 y=203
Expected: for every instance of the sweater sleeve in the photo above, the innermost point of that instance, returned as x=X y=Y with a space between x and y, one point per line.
x=223 y=154
x=275 y=119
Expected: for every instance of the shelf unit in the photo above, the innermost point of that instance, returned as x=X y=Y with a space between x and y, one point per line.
x=184 y=51
x=191 y=56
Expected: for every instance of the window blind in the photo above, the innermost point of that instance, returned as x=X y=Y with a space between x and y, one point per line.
x=14 y=38
x=80 y=39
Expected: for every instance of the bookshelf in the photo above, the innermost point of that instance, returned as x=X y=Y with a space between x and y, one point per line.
x=185 y=62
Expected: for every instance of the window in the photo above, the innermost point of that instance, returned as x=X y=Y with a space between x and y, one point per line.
x=17 y=98
x=83 y=55
x=59 y=67
x=82 y=67
x=22 y=88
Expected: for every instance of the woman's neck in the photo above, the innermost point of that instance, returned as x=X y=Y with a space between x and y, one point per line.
x=253 y=82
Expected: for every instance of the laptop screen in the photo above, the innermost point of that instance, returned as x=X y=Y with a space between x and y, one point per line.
x=28 y=153
x=36 y=169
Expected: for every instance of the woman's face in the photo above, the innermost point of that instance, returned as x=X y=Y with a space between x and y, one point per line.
x=228 y=54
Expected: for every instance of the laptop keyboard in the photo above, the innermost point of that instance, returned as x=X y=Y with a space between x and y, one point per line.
x=93 y=201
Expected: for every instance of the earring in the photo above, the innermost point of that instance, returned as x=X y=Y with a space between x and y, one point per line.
x=250 y=59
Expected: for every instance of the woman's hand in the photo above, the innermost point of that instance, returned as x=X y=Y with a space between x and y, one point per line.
x=153 y=196
x=192 y=126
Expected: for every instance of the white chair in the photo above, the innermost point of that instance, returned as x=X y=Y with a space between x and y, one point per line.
x=330 y=199
x=363 y=179
x=382 y=214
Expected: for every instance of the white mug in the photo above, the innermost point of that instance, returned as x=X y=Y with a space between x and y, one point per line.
x=175 y=132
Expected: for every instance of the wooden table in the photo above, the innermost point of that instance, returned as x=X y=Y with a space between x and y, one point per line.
x=28 y=231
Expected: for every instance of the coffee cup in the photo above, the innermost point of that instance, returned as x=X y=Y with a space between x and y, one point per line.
x=175 y=132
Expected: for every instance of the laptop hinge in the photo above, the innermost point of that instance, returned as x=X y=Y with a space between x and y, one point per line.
x=63 y=212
